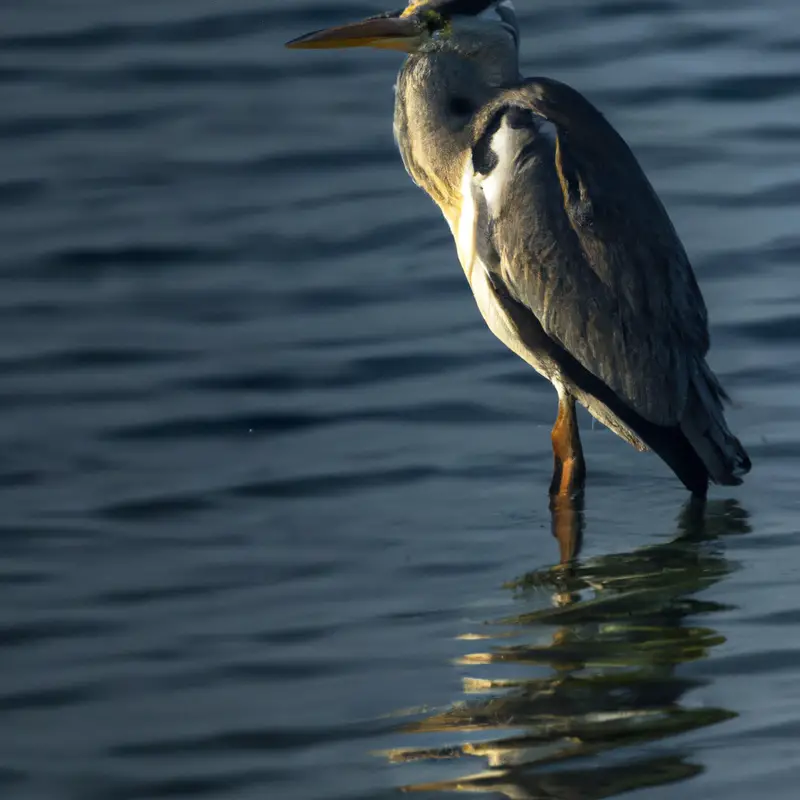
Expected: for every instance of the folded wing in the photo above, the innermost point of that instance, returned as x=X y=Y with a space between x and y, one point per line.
x=579 y=237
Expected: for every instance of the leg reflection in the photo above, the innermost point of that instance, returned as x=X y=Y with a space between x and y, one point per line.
x=567 y=521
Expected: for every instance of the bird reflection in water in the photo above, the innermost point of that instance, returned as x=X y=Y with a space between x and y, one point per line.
x=593 y=671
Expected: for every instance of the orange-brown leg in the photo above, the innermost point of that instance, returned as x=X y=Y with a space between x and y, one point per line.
x=569 y=468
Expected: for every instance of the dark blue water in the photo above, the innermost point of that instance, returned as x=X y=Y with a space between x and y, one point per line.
x=274 y=500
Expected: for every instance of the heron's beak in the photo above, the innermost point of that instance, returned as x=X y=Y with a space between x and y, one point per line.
x=387 y=33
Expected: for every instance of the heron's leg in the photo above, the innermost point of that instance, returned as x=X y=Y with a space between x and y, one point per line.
x=569 y=468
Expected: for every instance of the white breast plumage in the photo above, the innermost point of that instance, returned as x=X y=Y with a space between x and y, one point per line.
x=506 y=144
x=482 y=198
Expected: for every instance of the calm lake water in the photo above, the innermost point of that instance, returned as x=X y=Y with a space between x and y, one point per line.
x=275 y=521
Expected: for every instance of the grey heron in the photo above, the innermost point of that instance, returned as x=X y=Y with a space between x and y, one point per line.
x=571 y=256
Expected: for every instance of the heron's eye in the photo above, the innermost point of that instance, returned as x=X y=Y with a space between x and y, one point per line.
x=433 y=21
x=461 y=106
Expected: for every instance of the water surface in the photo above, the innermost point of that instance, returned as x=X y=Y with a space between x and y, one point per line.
x=275 y=518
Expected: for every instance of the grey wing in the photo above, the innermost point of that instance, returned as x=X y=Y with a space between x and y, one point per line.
x=584 y=243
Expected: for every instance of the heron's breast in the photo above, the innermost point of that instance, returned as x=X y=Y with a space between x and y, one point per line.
x=469 y=231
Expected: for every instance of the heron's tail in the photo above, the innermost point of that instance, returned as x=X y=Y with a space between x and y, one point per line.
x=705 y=428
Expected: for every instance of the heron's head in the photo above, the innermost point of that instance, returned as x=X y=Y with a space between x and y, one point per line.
x=460 y=25
x=460 y=53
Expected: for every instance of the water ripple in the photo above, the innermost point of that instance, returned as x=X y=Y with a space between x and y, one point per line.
x=247 y=741
x=23 y=634
x=333 y=484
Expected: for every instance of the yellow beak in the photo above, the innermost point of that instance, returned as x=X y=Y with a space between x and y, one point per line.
x=386 y=33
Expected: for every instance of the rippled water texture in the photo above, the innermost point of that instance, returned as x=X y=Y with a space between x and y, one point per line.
x=274 y=501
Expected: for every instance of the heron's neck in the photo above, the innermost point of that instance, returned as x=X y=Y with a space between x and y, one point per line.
x=432 y=127
x=433 y=153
